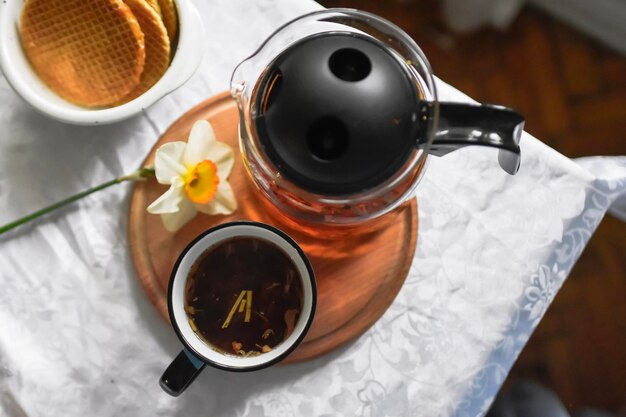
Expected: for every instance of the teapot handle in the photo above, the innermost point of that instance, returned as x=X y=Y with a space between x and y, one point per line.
x=463 y=124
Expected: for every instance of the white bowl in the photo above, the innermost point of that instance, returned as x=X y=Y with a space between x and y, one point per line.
x=27 y=84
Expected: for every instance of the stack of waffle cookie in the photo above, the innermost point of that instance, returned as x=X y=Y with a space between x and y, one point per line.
x=99 y=53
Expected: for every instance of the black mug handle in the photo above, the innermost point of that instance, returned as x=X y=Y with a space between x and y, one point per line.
x=181 y=372
x=463 y=124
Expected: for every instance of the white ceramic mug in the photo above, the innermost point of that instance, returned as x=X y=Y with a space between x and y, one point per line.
x=197 y=352
x=27 y=84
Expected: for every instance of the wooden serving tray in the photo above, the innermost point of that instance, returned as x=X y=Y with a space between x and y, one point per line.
x=358 y=274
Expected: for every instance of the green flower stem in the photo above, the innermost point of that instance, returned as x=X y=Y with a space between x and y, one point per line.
x=138 y=175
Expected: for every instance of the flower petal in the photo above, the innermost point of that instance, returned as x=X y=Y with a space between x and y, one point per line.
x=223 y=157
x=201 y=139
x=168 y=162
x=224 y=201
x=174 y=221
x=170 y=200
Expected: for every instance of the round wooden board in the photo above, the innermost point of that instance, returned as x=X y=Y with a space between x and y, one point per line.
x=358 y=275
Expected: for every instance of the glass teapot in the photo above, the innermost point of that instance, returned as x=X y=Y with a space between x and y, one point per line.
x=339 y=112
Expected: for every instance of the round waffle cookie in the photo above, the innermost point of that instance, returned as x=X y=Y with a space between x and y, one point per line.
x=157 y=46
x=170 y=17
x=89 y=52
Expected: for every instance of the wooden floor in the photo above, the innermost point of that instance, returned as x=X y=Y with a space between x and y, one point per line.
x=572 y=91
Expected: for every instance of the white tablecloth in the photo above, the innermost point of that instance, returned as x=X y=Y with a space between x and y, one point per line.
x=78 y=337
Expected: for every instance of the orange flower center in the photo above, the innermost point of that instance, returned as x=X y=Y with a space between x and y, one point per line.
x=201 y=182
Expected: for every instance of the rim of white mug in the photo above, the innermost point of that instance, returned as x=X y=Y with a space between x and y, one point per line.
x=180 y=274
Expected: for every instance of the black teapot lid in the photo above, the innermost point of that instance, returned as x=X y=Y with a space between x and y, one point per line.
x=336 y=113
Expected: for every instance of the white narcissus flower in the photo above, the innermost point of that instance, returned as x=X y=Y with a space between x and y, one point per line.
x=196 y=172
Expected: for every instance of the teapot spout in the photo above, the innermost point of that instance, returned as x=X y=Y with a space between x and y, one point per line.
x=490 y=125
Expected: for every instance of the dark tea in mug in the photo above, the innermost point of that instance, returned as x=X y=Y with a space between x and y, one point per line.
x=243 y=296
